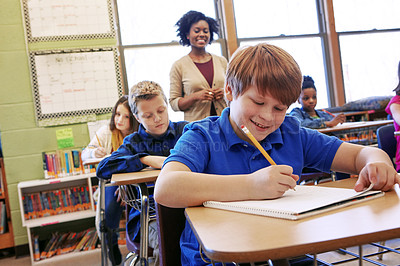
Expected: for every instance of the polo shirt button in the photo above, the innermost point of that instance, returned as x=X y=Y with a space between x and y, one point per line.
x=254 y=158
x=245 y=145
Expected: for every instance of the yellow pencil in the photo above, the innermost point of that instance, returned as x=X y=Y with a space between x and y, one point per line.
x=98 y=139
x=258 y=145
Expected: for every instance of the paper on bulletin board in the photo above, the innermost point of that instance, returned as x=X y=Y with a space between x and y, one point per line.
x=65 y=138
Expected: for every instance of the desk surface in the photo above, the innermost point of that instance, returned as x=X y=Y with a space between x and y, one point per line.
x=94 y=161
x=355 y=125
x=230 y=236
x=143 y=176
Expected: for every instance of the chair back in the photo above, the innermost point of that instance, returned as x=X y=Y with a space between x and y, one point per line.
x=170 y=224
x=387 y=140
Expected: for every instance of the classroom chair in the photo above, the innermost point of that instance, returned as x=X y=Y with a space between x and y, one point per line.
x=135 y=197
x=170 y=224
x=387 y=140
x=313 y=176
x=134 y=246
x=388 y=143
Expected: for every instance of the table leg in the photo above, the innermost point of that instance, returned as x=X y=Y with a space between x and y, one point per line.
x=144 y=223
x=102 y=184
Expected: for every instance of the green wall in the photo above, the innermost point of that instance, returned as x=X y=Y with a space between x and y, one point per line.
x=22 y=140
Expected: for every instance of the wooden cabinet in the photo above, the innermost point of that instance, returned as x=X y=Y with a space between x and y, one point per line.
x=39 y=220
x=6 y=238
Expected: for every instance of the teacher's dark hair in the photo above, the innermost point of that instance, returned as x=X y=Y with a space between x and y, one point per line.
x=187 y=20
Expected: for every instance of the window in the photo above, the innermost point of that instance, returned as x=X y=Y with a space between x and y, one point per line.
x=369 y=39
x=290 y=24
x=149 y=42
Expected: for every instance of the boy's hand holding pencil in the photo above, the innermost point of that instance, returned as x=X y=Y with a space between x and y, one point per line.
x=263 y=151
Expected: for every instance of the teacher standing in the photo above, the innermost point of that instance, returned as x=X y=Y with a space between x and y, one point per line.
x=197 y=79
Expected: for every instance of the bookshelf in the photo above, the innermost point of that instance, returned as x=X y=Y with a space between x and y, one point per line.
x=6 y=238
x=65 y=216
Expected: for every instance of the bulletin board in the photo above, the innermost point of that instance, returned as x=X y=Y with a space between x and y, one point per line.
x=71 y=85
x=60 y=20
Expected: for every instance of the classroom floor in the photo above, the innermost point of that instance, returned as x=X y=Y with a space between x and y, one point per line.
x=94 y=258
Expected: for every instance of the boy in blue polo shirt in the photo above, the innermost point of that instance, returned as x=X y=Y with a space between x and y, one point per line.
x=215 y=160
x=149 y=146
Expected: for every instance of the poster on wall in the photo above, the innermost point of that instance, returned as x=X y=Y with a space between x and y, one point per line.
x=57 y=20
x=70 y=85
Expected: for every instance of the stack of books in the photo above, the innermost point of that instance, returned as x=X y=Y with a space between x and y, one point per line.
x=54 y=202
x=62 y=243
x=61 y=163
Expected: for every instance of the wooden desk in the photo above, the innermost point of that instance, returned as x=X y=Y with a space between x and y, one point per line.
x=144 y=176
x=140 y=180
x=397 y=133
x=355 y=125
x=369 y=115
x=229 y=236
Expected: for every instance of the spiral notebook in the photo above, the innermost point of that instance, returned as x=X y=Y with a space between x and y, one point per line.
x=304 y=202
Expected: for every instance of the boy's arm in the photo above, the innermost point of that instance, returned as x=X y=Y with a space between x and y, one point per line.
x=153 y=161
x=124 y=160
x=177 y=186
x=371 y=164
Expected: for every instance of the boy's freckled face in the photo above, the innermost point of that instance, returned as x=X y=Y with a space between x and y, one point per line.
x=261 y=114
x=153 y=115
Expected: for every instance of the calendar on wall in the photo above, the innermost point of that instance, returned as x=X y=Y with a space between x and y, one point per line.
x=72 y=84
x=58 y=20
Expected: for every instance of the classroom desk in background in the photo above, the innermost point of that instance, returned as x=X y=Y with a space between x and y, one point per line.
x=355 y=125
x=397 y=133
x=140 y=180
x=363 y=133
x=368 y=115
x=230 y=236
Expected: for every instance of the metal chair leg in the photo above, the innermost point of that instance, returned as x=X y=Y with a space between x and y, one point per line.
x=380 y=256
x=104 y=261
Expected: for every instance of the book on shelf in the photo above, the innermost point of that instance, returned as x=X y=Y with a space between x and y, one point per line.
x=65 y=162
x=62 y=243
x=88 y=234
x=54 y=202
x=3 y=218
x=304 y=202
x=36 y=248
x=48 y=246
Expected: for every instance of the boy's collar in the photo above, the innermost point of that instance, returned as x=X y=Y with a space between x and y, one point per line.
x=232 y=139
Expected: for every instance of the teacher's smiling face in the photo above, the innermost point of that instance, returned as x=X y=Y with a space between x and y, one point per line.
x=199 y=34
x=153 y=115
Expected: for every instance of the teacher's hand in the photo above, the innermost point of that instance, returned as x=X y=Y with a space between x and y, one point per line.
x=218 y=93
x=204 y=95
